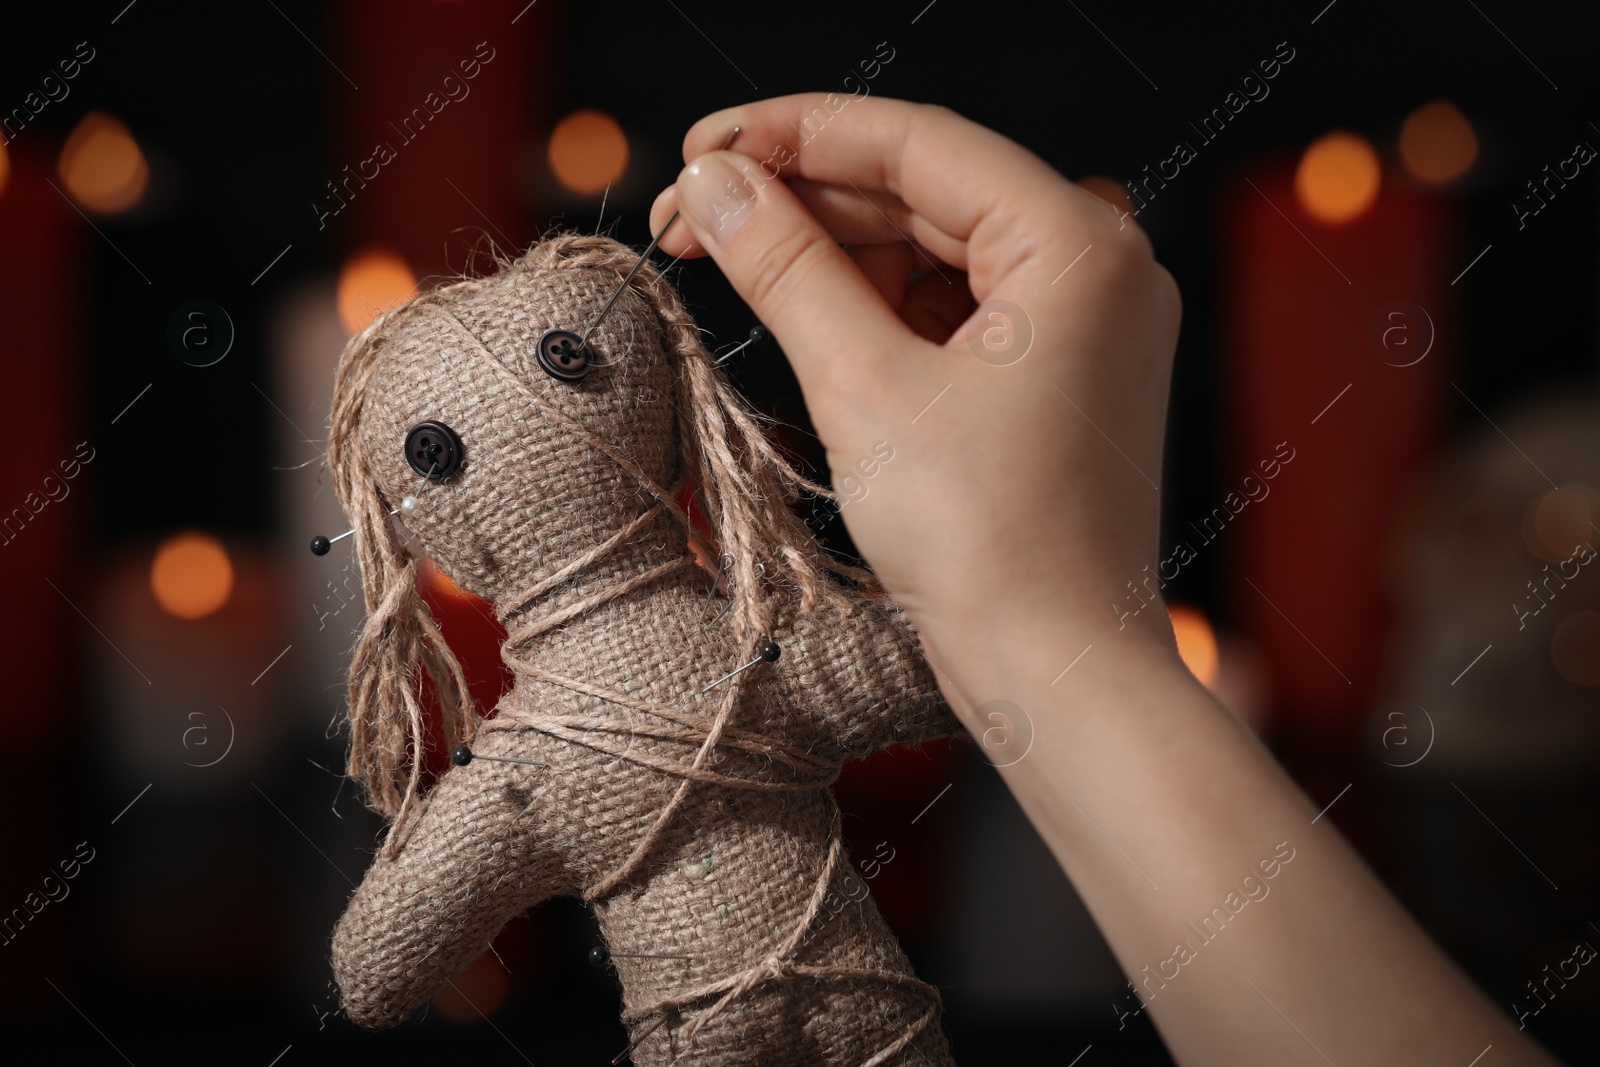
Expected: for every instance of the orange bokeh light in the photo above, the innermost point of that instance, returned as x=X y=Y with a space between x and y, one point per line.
x=191 y=576
x=1197 y=643
x=5 y=168
x=1557 y=523
x=588 y=151
x=1437 y=143
x=1338 y=177
x=101 y=165
x=373 y=280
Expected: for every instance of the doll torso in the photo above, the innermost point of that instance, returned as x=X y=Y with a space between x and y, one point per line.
x=730 y=880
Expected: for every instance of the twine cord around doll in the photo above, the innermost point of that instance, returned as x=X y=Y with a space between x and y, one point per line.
x=594 y=732
x=775 y=966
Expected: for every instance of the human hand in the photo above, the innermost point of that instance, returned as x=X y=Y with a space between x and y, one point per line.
x=1019 y=501
x=1006 y=499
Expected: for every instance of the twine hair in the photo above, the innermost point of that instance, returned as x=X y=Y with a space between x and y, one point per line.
x=388 y=726
x=744 y=485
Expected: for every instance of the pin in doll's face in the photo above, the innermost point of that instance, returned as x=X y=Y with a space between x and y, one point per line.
x=526 y=489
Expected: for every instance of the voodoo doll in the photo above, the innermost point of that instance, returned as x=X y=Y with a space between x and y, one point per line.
x=541 y=470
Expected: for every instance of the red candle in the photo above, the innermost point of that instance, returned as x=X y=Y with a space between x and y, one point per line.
x=1337 y=341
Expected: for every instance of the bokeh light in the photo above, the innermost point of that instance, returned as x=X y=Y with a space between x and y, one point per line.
x=588 y=151
x=191 y=576
x=102 y=166
x=1559 y=521
x=373 y=280
x=5 y=168
x=1437 y=143
x=1338 y=177
x=1575 y=648
x=1197 y=642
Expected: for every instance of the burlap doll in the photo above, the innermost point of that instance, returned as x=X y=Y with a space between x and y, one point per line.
x=697 y=821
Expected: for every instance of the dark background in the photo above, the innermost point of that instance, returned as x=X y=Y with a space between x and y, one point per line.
x=199 y=930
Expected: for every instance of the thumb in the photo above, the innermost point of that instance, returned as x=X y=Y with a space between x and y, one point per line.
x=831 y=321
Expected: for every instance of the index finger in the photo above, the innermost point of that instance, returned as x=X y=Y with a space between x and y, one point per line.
x=960 y=180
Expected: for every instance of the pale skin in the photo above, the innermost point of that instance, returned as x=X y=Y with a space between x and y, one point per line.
x=1006 y=525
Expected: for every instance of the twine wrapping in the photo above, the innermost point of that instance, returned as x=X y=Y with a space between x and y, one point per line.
x=697 y=824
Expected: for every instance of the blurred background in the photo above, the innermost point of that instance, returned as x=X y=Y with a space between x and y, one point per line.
x=1382 y=491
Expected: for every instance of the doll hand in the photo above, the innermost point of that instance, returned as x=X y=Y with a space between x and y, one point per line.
x=1005 y=499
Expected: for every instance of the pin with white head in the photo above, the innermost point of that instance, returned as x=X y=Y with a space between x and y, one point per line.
x=434 y=451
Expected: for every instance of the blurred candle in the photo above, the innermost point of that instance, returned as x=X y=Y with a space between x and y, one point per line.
x=42 y=273
x=1337 y=340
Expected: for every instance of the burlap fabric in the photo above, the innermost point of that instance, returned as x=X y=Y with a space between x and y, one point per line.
x=697 y=824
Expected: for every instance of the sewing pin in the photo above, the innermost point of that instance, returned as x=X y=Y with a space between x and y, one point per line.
x=320 y=544
x=584 y=341
x=599 y=954
x=769 y=654
x=758 y=333
x=464 y=755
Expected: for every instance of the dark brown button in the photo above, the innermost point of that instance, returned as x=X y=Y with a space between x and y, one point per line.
x=563 y=355
x=433 y=450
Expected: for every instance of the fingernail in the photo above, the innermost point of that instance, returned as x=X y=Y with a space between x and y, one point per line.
x=717 y=196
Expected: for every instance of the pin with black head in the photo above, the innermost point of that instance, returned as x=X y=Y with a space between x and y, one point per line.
x=434 y=451
x=758 y=333
x=599 y=956
x=320 y=544
x=768 y=653
x=464 y=755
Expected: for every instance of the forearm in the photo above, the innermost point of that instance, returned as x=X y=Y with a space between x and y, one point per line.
x=1159 y=804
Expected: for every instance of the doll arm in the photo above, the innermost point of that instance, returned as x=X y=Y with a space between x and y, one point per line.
x=468 y=865
x=863 y=670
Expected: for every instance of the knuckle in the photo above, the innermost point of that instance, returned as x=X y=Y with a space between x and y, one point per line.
x=779 y=271
x=1130 y=254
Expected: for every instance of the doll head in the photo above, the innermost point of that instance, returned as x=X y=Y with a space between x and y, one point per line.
x=551 y=464
x=532 y=486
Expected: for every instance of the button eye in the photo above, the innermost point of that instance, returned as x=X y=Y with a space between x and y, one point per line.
x=433 y=450
x=563 y=355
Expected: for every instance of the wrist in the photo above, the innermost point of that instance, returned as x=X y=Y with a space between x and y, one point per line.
x=1024 y=651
